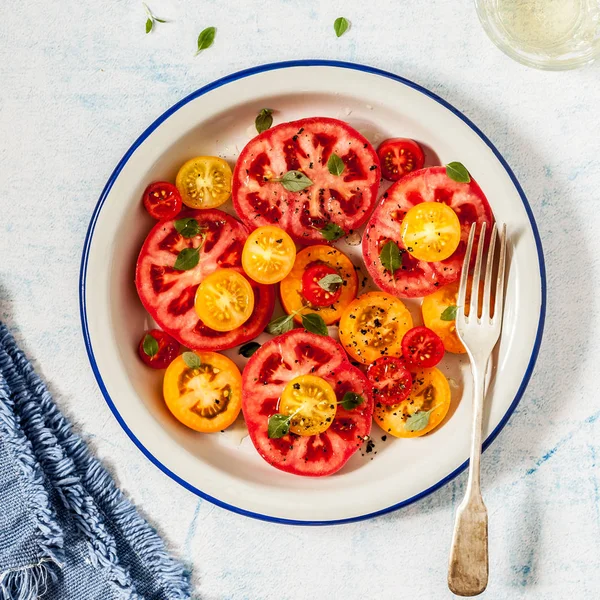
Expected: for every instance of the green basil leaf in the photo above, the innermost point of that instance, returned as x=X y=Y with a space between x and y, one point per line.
x=279 y=425
x=458 y=172
x=340 y=26
x=335 y=165
x=294 y=181
x=449 y=313
x=206 y=39
x=159 y=20
x=187 y=259
x=281 y=325
x=150 y=345
x=264 y=120
x=418 y=421
x=249 y=349
x=187 y=227
x=314 y=323
x=192 y=360
x=149 y=25
x=351 y=400
x=331 y=282
x=391 y=257
x=332 y=232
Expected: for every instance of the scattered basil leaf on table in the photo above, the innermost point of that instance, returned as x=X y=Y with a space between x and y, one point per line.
x=351 y=400
x=419 y=420
x=249 y=349
x=449 y=313
x=264 y=120
x=150 y=345
x=314 y=324
x=391 y=257
x=335 y=165
x=187 y=259
x=192 y=360
x=152 y=18
x=294 y=181
x=331 y=282
x=206 y=39
x=149 y=25
x=458 y=172
x=279 y=425
x=187 y=227
x=340 y=26
x=332 y=232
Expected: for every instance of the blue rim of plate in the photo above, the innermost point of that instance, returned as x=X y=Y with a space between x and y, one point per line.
x=224 y=81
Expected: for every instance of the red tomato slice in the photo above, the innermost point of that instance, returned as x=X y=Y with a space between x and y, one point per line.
x=306 y=145
x=422 y=347
x=391 y=380
x=162 y=200
x=311 y=289
x=277 y=362
x=167 y=349
x=168 y=294
x=398 y=157
x=419 y=278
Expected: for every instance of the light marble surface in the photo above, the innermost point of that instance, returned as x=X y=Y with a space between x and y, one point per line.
x=79 y=81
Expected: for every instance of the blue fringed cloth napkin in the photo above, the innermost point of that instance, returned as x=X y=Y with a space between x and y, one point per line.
x=66 y=531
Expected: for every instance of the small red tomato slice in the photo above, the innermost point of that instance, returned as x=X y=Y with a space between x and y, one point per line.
x=391 y=380
x=399 y=156
x=162 y=200
x=158 y=349
x=311 y=289
x=422 y=347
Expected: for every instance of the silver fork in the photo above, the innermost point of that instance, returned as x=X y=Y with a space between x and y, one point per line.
x=468 y=568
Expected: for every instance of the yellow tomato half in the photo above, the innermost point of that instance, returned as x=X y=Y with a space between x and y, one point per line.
x=373 y=325
x=204 y=182
x=431 y=231
x=207 y=398
x=433 y=308
x=313 y=403
x=422 y=411
x=224 y=300
x=269 y=254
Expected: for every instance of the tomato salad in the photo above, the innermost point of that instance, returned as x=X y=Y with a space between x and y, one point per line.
x=211 y=280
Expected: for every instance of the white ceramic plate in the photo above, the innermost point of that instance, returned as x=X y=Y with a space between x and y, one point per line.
x=224 y=468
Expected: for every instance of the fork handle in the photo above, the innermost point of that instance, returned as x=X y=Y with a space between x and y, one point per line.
x=469 y=565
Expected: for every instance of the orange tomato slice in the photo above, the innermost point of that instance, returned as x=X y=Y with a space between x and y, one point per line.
x=206 y=398
x=291 y=287
x=268 y=255
x=204 y=182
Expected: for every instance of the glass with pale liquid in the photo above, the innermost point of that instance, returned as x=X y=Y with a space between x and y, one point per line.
x=546 y=34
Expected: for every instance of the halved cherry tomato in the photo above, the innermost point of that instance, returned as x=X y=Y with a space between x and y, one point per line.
x=162 y=200
x=224 y=300
x=313 y=403
x=204 y=182
x=399 y=156
x=268 y=255
x=433 y=307
x=423 y=410
x=391 y=380
x=312 y=290
x=431 y=231
x=292 y=288
x=157 y=349
x=373 y=326
x=207 y=398
x=422 y=347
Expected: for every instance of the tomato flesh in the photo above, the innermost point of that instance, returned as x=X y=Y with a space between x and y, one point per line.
x=306 y=145
x=168 y=349
x=267 y=373
x=422 y=347
x=417 y=278
x=398 y=157
x=269 y=254
x=311 y=289
x=169 y=294
x=391 y=380
x=204 y=182
x=162 y=200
